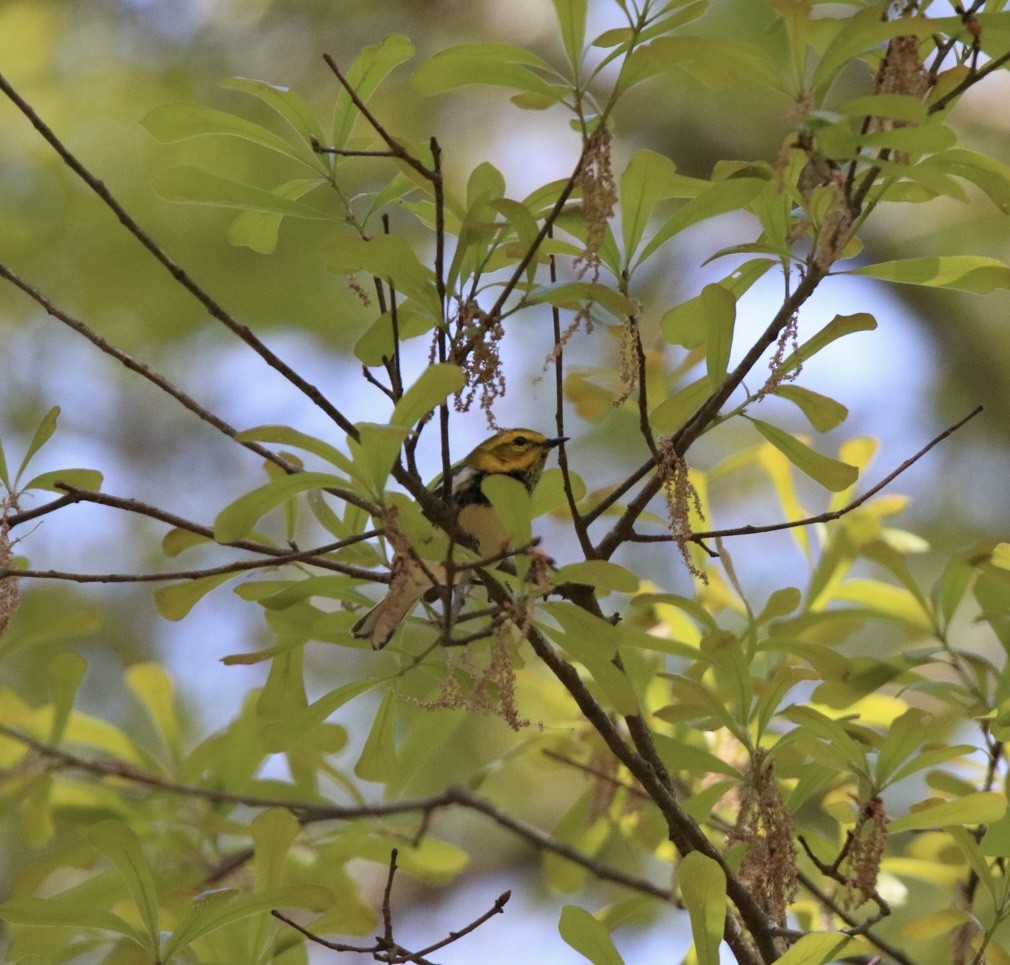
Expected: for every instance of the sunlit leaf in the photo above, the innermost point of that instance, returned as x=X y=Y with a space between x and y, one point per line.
x=189 y=185
x=155 y=688
x=817 y=949
x=288 y=103
x=970 y=273
x=90 y=479
x=830 y=473
x=588 y=936
x=575 y=294
x=673 y=413
x=838 y=327
x=42 y=435
x=70 y=913
x=434 y=384
x=506 y=65
x=120 y=844
x=823 y=413
x=177 y=599
x=703 y=887
x=982 y=807
x=370 y=68
x=378 y=760
x=572 y=20
x=602 y=574
x=236 y=521
x=176 y=122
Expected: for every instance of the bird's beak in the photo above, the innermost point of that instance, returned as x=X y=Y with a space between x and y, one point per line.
x=551 y=443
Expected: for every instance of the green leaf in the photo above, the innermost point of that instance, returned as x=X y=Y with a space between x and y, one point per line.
x=899 y=107
x=719 y=327
x=375 y=451
x=822 y=412
x=279 y=735
x=718 y=198
x=284 y=101
x=688 y=324
x=223 y=908
x=90 y=479
x=588 y=936
x=830 y=473
x=575 y=294
x=4 y=475
x=604 y=575
x=435 y=383
x=369 y=70
x=120 y=844
x=65 y=672
x=982 y=807
x=572 y=19
x=385 y=256
x=987 y=173
x=838 y=327
x=513 y=505
x=177 y=599
x=177 y=122
x=970 y=273
x=673 y=413
x=189 y=185
x=550 y=492
x=378 y=760
x=648 y=178
x=154 y=687
x=69 y=913
x=703 y=887
x=260 y=230
x=506 y=65
x=237 y=520
x=717 y=62
x=818 y=949
x=286 y=436
x=273 y=833
x=593 y=643
x=42 y=435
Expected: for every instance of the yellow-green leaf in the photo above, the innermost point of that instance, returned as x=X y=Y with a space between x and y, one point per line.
x=970 y=273
x=703 y=887
x=983 y=807
x=830 y=473
x=588 y=936
x=435 y=383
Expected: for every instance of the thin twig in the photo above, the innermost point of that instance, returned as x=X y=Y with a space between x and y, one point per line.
x=176 y=271
x=156 y=378
x=825 y=517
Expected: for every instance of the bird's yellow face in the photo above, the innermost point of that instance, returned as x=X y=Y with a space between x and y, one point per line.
x=517 y=452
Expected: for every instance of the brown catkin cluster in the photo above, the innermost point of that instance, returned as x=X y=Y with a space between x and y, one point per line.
x=681 y=497
x=867 y=841
x=765 y=826
x=480 y=359
x=788 y=339
x=10 y=595
x=599 y=197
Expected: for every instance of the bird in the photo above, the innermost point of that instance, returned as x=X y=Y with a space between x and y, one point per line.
x=517 y=453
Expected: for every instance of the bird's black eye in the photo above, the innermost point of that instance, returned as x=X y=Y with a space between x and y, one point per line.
x=520 y=441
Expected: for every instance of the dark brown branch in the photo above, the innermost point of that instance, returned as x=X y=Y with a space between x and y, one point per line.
x=312 y=812
x=177 y=272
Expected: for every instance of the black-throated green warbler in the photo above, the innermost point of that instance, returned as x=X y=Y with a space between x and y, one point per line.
x=519 y=453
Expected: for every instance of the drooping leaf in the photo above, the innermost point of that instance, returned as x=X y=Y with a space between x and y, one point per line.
x=703 y=887
x=982 y=807
x=189 y=185
x=434 y=384
x=120 y=844
x=823 y=412
x=237 y=520
x=588 y=936
x=286 y=102
x=830 y=473
x=970 y=273
x=177 y=599
x=671 y=414
x=506 y=65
